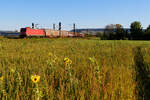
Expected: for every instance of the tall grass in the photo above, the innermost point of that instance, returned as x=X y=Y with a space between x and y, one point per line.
x=100 y=70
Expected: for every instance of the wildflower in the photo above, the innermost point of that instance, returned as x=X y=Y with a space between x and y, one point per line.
x=92 y=59
x=67 y=61
x=12 y=70
x=70 y=62
x=50 y=54
x=35 y=78
x=1 y=78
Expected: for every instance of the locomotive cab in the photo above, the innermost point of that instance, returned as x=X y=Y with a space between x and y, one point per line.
x=23 y=32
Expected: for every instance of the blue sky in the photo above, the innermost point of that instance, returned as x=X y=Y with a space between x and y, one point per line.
x=15 y=14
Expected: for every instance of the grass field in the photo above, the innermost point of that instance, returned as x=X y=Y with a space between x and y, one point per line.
x=100 y=70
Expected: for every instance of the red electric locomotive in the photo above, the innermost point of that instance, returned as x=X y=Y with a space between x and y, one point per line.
x=29 y=32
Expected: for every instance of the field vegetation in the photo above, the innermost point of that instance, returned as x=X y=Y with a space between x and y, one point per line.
x=74 y=69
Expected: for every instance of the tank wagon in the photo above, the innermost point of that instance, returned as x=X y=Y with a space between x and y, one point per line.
x=30 y=32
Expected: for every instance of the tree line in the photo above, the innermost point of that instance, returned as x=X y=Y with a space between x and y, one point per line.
x=117 y=32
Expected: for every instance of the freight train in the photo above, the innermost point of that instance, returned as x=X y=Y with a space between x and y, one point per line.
x=31 y=32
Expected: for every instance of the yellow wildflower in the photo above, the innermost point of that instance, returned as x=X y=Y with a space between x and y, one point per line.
x=1 y=78
x=12 y=70
x=50 y=54
x=67 y=61
x=70 y=62
x=92 y=59
x=35 y=78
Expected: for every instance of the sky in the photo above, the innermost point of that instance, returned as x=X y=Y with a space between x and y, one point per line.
x=15 y=14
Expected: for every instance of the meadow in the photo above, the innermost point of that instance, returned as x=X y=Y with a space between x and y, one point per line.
x=74 y=69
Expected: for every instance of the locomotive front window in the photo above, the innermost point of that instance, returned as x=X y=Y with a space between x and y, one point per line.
x=23 y=30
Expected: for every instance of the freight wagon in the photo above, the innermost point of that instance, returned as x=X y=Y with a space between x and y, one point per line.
x=29 y=32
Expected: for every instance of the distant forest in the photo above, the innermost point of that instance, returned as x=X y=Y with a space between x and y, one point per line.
x=118 y=32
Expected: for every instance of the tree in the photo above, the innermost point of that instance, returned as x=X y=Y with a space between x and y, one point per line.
x=148 y=30
x=136 y=30
x=120 y=32
x=147 y=33
x=100 y=35
x=114 y=32
x=109 y=32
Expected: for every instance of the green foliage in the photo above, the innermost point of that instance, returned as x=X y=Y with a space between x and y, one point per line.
x=136 y=30
x=109 y=32
x=147 y=32
x=114 y=32
x=100 y=35
x=142 y=75
x=120 y=32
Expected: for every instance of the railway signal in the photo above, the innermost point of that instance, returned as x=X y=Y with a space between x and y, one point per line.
x=54 y=26
x=33 y=25
x=59 y=28
x=74 y=28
